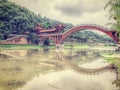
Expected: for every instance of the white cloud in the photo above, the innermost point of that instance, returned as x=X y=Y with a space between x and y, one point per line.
x=79 y=8
x=70 y=11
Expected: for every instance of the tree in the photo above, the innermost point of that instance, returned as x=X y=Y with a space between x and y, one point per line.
x=115 y=12
x=33 y=38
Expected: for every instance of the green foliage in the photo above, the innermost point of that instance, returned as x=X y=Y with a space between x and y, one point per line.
x=115 y=12
x=33 y=38
x=87 y=36
x=16 y=19
x=110 y=59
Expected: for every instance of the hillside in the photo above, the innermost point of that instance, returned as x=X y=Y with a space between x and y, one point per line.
x=15 y=19
x=18 y=20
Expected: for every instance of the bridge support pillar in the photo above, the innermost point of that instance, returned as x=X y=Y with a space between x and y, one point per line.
x=59 y=45
x=119 y=47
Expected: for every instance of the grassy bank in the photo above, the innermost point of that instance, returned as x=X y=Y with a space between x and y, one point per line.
x=114 y=58
x=76 y=46
x=116 y=61
x=10 y=46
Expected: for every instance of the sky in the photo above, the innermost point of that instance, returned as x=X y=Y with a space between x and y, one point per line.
x=70 y=11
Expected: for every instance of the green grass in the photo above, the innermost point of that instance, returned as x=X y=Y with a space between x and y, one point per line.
x=113 y=59
x=75 y=46
x=116 y=61
x=9 y=46
x=110 y=59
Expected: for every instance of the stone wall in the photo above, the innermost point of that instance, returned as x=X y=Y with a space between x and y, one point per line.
x=15 y=40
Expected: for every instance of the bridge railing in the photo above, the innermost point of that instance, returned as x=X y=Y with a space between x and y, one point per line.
x=105 y=28
x=99 y=26
x=50 y=34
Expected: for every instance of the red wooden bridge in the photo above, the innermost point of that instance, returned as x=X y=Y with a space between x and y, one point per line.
x=58 y=38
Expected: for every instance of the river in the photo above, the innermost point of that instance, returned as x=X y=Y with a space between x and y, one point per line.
x=53 y=69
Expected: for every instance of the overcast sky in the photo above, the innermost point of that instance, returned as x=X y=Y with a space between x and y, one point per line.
x=70 y=11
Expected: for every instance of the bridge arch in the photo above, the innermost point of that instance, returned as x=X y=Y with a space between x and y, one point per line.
x=111 y=34
x=42 y=39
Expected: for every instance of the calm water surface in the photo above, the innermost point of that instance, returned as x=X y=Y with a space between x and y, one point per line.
x=50 y=69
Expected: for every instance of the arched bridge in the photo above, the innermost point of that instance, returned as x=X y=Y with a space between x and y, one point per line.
x=58 y=38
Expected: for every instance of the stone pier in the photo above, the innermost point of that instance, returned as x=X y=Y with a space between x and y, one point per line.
x=118 y=46
x=59 y=45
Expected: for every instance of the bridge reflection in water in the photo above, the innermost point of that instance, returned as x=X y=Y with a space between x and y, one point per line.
x=52 y=69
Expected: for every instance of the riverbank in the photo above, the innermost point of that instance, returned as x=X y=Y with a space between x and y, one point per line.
x=10 y=46
x=81 y=46
x=115 y=59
